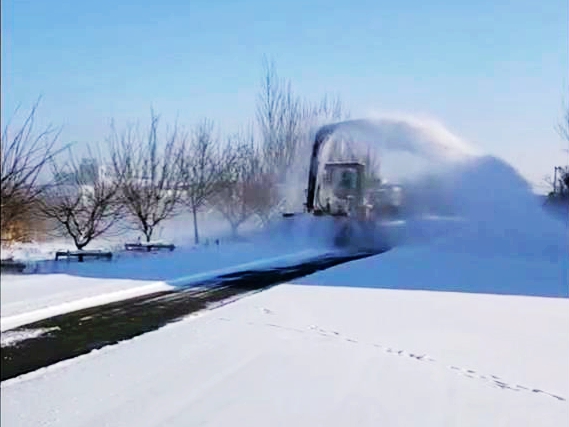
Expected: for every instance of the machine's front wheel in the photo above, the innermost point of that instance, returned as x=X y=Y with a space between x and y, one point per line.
x=343 y=235
x=357 y=235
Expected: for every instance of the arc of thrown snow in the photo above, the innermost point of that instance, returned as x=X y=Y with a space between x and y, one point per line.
x=371 y=127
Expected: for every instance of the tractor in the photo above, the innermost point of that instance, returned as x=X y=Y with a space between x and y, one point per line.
x=342 y=191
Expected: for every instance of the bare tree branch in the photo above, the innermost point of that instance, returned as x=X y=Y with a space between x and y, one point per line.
x=25 y=153
x=149 y=173
x=235 y=193
x=265 y=199
x=286 y=124
x=279 y=116
x=83 y=205
x=563 y=127
x=203 y=166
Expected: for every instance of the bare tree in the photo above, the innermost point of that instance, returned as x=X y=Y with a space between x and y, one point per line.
x=329 y=110
x=279 y=116
x=148 y=168
x=315 y=114
x=83 y=204
x=286 y=121
x=287 y=125
x=25 y=154
x=235 y=191
x=202 y=167
x=265 y=199
x=560 y=181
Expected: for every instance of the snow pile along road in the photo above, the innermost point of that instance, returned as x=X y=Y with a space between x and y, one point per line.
x=30 y=299
x=13 y=337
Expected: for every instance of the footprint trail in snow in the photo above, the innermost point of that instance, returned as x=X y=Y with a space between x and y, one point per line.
x=491 y=380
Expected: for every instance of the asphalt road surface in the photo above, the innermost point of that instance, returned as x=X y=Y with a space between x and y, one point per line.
x=79 y=332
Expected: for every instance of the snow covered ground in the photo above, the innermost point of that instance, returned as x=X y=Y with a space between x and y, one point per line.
x=464 y=323
x=427 y=269
x=303 y=355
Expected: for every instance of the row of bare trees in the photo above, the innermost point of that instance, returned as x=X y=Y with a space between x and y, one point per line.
x=151 y=174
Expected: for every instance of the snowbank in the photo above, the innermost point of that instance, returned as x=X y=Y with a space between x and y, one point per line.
x=28 y=299
x=10 y=338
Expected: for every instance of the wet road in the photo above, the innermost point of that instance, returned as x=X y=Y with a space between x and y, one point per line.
x=73 y=334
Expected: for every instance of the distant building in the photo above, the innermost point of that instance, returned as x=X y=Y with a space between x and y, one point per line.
x=64 y=178
x=89 y=171
x=86 y=174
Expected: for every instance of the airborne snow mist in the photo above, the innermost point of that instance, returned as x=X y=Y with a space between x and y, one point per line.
x=483 y=199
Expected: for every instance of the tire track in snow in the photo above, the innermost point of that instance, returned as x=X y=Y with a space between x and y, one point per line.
x=491 y=380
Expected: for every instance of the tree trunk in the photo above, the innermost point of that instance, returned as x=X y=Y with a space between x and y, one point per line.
x=148 y=234
x=79 y=245
x=196 y=235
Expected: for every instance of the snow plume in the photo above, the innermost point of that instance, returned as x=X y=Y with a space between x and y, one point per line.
x=404 y=146
x=501 y=215
x=468 y=200
x=425 y=138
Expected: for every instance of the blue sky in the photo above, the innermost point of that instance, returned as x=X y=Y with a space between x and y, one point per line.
x=495 y=72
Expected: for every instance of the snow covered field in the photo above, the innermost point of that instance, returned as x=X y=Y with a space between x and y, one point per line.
x=303 y=355
x=459 y=269
x=464 y=323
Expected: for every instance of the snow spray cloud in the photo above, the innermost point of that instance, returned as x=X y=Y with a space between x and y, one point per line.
x=491 y=206
x=420 y=137
x=401 y=150
x=397 y=149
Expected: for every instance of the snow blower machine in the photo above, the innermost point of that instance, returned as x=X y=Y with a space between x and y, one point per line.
x=354 y=204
